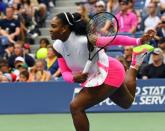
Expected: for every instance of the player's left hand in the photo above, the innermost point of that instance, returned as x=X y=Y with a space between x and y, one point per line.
x=80 y=77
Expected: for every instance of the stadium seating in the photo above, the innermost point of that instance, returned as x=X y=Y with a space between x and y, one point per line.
x=139 y=4
x=114 y=53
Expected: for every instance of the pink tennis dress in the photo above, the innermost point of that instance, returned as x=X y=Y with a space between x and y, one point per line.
x=104 y=69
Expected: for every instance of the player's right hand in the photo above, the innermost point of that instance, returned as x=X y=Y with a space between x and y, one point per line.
x=150 y=34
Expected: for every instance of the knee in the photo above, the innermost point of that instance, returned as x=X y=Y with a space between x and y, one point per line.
x=74 y=108
x=128 y=104
x=130 y=83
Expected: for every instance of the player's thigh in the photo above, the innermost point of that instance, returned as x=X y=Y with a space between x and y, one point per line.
x=122 y=97
x=89 y=97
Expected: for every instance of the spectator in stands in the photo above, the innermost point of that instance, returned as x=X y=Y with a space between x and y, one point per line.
x=10 y=27
x=31 y=26
x=81 y=9
x=18 y=62
x=113 y=6
x=52 y=63
x=91 y=7
x=41 y=15
x=18 y=51
x=5 y=78
x=128 y=54
x=161 y=28
x=24 y=76
x=22 y=67
x=3 y=43
x=131 y=5
x=100 y=6
x=124 y=62
x=162 y=6
x=52 y=3
x=8 y=51
x=160 y=3
x=161 y=45
x=25 y=12
x=155 y=69
x=29 y=9
x=4 y=67
x=127 y=19
x=18 y=7
x=1 y=76
x=19 y=14
x=152 y=20
x=27 y=50
x=19 y=66
x=38 y=72
x=44 y=42
x=3 y=6
x=45 y=2
x=147 y=2
x=139 y=17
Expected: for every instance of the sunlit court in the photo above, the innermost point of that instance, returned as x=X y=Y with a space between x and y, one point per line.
x=99 y=122
x=43 y=107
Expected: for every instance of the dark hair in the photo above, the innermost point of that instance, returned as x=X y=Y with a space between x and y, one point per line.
x=162 y=40
x=45 y=40
x=25 y=73
x=3 y=62
x=125 y=1
x=9 y=6
x=51 y=47
x=28 y=2
x=9 y=45
x=19 y=5
x=74 y=21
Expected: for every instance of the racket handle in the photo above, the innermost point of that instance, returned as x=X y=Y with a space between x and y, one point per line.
x=87 y=66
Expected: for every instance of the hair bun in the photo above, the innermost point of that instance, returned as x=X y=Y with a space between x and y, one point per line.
x=76 y=17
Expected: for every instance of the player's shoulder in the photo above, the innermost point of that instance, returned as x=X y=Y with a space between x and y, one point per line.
x=57 y=45
x=81 y=39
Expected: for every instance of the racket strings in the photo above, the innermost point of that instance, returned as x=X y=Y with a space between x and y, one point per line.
x=95 y=29
x=96 y=26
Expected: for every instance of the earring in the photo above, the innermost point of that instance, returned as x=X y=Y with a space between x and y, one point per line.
x=62 y=32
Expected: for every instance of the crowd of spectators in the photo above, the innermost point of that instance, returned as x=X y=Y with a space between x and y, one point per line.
x=21 y=20
x=20 y=23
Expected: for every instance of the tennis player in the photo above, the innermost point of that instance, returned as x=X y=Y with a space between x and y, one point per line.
x=106 y=77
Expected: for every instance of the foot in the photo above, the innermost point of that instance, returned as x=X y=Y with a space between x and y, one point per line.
x=139 y=53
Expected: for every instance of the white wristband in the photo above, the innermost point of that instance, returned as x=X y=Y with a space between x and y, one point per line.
x=138 y=41
x=87 y=66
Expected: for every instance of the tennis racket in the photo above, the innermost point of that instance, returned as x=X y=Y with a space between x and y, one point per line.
x=102 y=24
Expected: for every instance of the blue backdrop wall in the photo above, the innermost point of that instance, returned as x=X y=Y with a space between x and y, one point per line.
x=53 y=97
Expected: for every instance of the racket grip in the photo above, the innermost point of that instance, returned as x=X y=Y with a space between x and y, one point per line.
x=87 y=66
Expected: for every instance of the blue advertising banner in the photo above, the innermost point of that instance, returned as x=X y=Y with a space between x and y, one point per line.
x=150 y=96
x=43 y=97
x=54 y=97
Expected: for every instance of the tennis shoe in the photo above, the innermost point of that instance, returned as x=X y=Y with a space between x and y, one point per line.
x=139 y=53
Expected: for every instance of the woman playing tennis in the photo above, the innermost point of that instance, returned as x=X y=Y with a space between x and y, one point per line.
x=106 y=76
